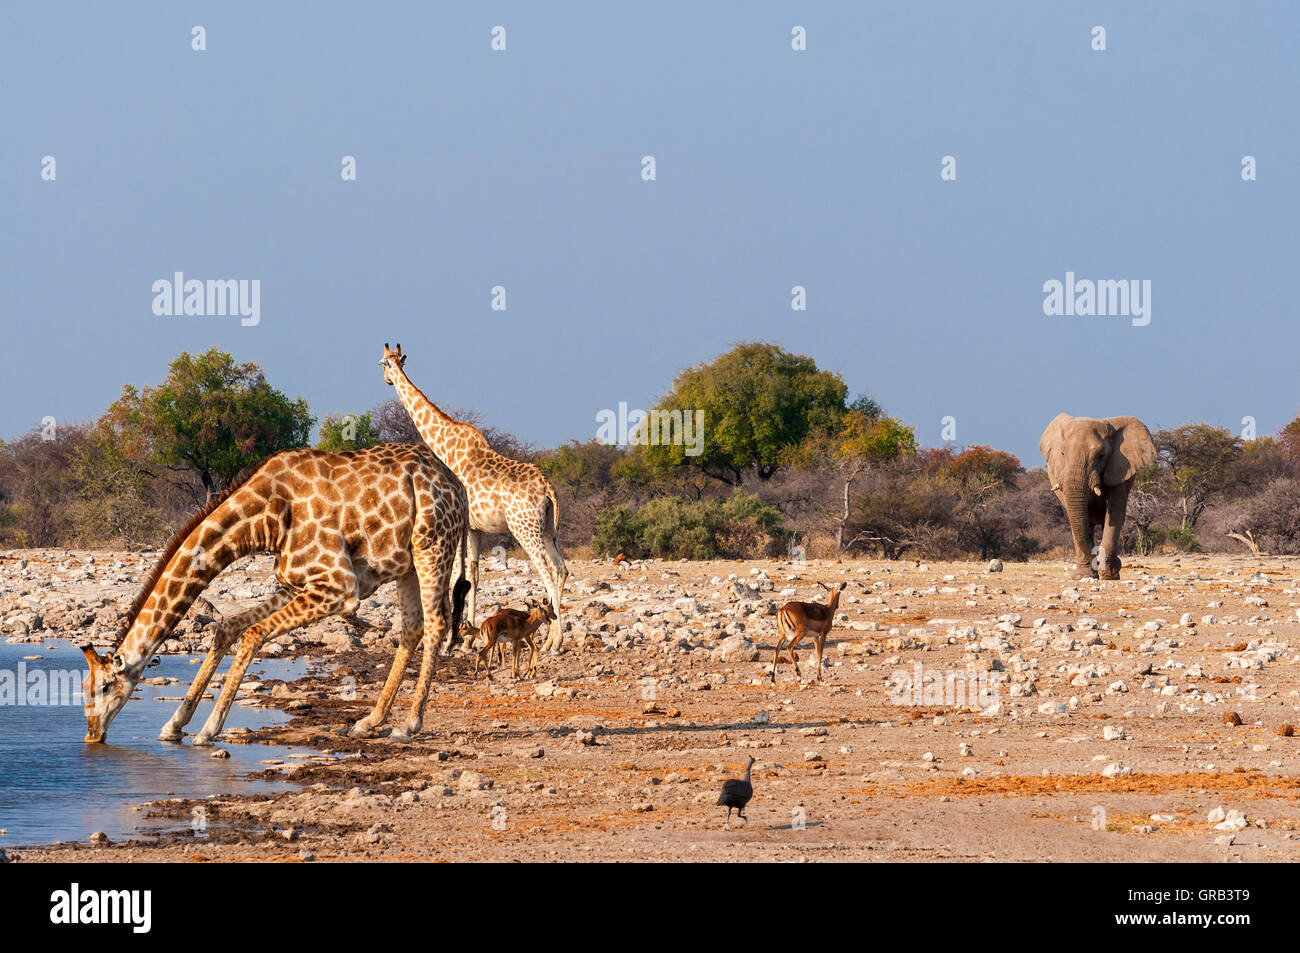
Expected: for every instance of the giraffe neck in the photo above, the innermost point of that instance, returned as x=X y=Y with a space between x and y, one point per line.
x=218 y=540
x=439 y=431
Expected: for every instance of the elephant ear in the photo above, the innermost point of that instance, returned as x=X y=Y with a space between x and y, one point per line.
x=1133 y=450
x=1051 y=441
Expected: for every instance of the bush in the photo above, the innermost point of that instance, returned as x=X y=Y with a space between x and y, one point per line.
x=741 y=527
x=1181 y=537
x=1272 y=518
x=618 y=530
x=38 y=490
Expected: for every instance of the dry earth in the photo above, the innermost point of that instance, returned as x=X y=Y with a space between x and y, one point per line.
x=1101 y=736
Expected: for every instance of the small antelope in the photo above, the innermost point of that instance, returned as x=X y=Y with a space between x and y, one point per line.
x=799 y=620
x=469 y=634
x=518 y=627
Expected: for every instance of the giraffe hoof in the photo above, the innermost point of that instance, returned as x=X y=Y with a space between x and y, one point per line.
x=202 y=740
x=361 y=729
x=170 y=733
x=399 y=734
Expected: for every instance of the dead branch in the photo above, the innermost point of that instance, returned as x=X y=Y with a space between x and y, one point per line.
x=1248 y=539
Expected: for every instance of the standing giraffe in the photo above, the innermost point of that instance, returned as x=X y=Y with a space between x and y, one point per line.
x=504 y=495
x=342 y=524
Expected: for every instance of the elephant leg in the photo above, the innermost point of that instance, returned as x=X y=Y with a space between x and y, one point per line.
x=1116 y=507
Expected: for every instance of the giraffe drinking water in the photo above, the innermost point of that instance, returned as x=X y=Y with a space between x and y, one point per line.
x=342 y=524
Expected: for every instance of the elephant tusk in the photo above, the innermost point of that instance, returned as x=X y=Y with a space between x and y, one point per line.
x=1097 y=490
x=1056 y=488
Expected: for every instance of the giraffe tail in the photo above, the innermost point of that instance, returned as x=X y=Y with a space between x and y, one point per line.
x=458 y=593
x=458 y=606
x=555 y=512
x=561 y=571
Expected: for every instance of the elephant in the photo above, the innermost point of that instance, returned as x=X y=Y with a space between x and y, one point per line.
x=1091 y=465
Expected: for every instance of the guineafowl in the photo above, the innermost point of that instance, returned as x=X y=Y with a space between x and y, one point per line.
x=735 y=795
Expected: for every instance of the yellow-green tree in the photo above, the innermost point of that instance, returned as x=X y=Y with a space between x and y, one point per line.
x=758 y=402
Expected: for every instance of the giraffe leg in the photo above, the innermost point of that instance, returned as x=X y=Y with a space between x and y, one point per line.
x=559 y=575
x=542 y=565
x=304 y=608
x=226 y=633
x=434 y=557
x=533 y=535
x=541 y=561
x=408 y=593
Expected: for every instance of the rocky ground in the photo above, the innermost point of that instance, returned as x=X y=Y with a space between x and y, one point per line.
x=963 y=714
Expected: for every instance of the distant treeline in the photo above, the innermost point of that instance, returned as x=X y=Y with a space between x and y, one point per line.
x=786 y=464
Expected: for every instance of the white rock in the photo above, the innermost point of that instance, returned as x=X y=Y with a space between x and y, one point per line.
x=473 y=781
x=736 y=648
x=1235 y=821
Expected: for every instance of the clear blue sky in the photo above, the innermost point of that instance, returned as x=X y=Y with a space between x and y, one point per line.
x=775 y=168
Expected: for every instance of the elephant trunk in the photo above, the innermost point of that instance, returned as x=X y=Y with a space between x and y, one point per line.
x=1075 y=496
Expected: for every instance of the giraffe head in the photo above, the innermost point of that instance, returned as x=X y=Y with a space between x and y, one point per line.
x=393 y=360
x=106 y=690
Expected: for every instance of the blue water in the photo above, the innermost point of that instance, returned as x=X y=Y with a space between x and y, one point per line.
x=53 y=786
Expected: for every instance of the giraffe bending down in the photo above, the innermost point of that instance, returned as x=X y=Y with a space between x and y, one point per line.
x=504 y=495
x=342 y=524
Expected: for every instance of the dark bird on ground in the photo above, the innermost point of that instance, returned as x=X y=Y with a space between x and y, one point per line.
x=735 y=795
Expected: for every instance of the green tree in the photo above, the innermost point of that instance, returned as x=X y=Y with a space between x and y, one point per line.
x=581 y=467
x=1200 y=463
x=866 y=406
x=211 y=416
x=759 y=401
x=347 y=432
